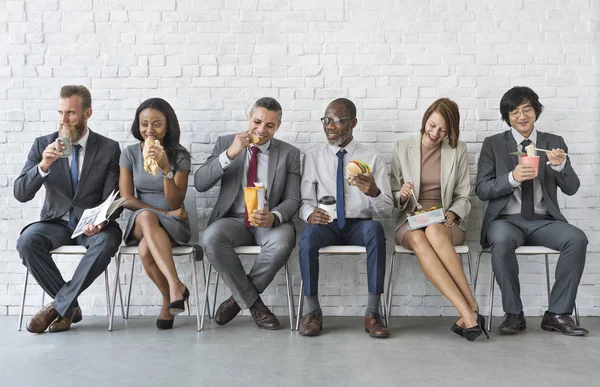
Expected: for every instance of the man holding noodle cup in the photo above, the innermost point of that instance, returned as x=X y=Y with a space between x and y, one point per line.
x=523 y=210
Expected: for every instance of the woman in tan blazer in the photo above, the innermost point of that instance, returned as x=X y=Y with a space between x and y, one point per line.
x=434 y=166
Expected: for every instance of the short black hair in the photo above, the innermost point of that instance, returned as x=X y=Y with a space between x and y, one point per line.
x=347 y=104
x=173 y=135
x=270 y=104
x=516 y=96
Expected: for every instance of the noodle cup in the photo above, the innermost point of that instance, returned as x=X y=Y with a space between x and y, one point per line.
x=531 y=160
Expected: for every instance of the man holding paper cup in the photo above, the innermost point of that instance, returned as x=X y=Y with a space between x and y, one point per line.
x=343 y=184
x=75 y=182
x=259 y=195
x=523 y=210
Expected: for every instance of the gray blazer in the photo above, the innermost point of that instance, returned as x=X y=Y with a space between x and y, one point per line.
x=98 y=178
x=496 y=162
x=455 y=179
x=283 y=178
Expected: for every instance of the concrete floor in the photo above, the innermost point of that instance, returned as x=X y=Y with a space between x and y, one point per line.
x=421 y=352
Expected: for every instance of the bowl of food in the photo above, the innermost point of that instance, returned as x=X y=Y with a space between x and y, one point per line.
x=423 y=218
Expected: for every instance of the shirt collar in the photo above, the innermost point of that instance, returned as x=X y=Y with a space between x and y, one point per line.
x=350 y=148
x=83 y=140
x=263 y=148
x=519 y=137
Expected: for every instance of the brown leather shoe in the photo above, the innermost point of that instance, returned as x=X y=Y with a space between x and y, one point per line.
x=263 y=317
x=562 y=323
x=40 y=321
x=64 y=323
x=227 y=311
x=312 y=324
x=77 y=316
x=513 y=323
x=375 y=326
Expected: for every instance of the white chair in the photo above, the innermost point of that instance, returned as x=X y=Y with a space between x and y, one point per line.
x=64 y=250
x=189 y=249
x=249 y=250
x=523 y=250
x=399 y=250
x=335 y=250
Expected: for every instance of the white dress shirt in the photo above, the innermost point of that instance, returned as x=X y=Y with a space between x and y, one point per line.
x=514 y=204
x=262 y=173
x=319 y=179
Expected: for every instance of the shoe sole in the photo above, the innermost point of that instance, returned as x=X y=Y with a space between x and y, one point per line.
x=312 y=334
x=548 y=328
x=176 y=311
x=521 y=329
x=375 y=336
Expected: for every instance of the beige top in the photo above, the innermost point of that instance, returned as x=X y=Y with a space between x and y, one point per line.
x=431 y=183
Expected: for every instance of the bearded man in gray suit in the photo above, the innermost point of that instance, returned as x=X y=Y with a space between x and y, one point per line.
x=523 y=210
x=238 y=161
x=80 y=181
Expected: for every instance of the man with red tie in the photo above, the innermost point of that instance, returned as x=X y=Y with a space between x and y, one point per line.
x=238 y=161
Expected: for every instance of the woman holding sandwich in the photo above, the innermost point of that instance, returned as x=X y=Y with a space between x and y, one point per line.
x=433 y=168
x=157 y=168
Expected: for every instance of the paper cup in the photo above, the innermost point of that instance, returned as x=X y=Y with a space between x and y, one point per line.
x=328 y=204
x=531 y=160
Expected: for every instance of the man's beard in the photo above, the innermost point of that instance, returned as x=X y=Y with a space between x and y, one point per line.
x=340 y=140
x=74 y=132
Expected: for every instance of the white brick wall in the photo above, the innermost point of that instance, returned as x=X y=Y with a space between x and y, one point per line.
x=211 y=59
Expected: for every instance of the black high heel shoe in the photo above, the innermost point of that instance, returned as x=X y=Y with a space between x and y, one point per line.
x=474 y=332
x=178 y=306
x=457 y=329
x=164 y=324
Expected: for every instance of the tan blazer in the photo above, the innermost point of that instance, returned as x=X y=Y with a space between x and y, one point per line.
x=455 y=184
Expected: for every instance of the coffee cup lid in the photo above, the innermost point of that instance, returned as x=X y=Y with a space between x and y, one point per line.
x=327 y=200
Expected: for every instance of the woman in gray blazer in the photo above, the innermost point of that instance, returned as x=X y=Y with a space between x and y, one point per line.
x=433 y=167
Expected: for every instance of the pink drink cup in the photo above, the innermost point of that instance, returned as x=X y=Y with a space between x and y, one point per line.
x=531 y=160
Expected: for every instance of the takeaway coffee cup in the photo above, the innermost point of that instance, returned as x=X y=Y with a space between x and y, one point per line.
x=66 y=143
x=327 y=203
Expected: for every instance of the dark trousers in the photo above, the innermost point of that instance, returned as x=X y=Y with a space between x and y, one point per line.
x=361 y=232
x=34 y=246
x=507 y=233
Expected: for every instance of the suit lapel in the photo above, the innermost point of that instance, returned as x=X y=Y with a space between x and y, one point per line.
x=447 y=161
x=511 y=146
x=63 y=163
x=90 y=154
x=414 y=159
x=273 y=160
x=542 y=144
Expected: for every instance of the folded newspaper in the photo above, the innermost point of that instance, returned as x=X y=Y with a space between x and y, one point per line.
x=98 y=215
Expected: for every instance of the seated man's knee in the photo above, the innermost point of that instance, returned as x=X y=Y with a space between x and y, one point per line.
x=212 y=237
x=27 y=242
x=374 y=229
x=312 y=235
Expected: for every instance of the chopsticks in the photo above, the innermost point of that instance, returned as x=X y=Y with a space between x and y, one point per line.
x=545 y=150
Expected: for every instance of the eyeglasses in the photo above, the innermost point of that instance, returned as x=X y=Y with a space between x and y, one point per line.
x=335 y=120
x=526 y=111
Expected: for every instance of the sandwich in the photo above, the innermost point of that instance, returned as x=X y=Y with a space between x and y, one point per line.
x=150 y=165
x=356 y=167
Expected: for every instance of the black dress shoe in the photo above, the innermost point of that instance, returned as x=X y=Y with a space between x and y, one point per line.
x=165 y=324
x=457 y=328
x=562 y=323
x=227 y=311
x=513 y=323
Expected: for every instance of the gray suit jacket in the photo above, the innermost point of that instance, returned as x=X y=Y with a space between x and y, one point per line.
x=496 y=162
x=98 y=178
x=283 y=178
x=455 y=179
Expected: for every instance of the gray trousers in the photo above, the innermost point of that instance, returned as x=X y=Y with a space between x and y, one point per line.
x=509 y=232
x=38 y=239
x=219 y=241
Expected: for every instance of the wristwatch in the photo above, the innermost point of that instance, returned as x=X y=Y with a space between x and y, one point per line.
x=276 y=221
x=170 y=175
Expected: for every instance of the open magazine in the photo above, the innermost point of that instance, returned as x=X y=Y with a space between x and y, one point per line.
x=99 y=214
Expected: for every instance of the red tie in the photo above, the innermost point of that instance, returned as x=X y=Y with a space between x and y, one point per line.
x=252 y=176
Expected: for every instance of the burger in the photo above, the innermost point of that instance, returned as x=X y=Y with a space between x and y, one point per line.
x=356 y=167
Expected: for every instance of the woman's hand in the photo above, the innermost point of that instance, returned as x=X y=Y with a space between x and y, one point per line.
x=159 y=155
x=406 y=191
x=180 y=213
x=450 y=218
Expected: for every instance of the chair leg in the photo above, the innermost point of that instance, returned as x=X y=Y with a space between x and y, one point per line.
x=43 y=298
x=20 y=323
x=491 y=300
x=107 y=290
x=300 y=304
x=470 y=269
x=205 y=285
x=114 y=296
x=215 y=296
x=195 y=282
x=576 y=314
x=383 y=308
x=205 y=301
x=547 y=278
x=126 y=315
x=290 y=296
x=476 y=273
x=390 y=288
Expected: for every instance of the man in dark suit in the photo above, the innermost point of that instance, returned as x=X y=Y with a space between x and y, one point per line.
x=73 y=184
x=523 y=210
x=238 y=161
